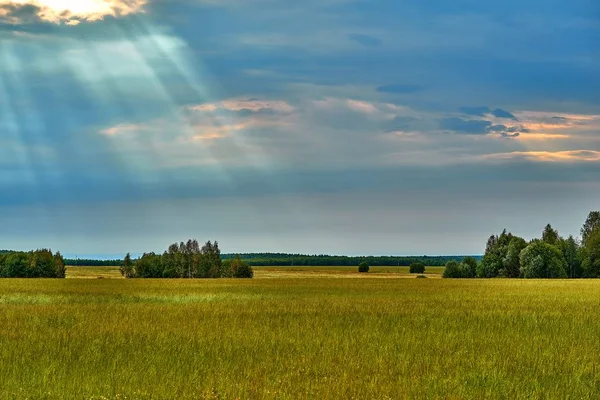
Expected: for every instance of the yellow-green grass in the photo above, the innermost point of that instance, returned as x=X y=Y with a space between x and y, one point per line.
x=342 y=272
x=304 y=337
x=277 y=272
x=94 y=273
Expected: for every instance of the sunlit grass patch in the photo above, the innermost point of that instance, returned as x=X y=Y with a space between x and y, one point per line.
x=24 y=298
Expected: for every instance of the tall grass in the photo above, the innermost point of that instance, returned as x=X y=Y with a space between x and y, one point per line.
x=318 y=338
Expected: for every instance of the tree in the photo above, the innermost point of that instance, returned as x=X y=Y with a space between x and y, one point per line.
x=417 y=268
x=364 y=267
x=496 y=250
x=468 y=267
x=15 y=266
x=590 y=255
x=512 y=261
x=550 y=235
x=127 y=268
x=542 y=260
x=149 y=266
x=34 y=264
x=59 y=265
x=591 y=224
x=570 y=250
x=452 y=270
x=42 y=264
x=211 y=256
x=490 y=266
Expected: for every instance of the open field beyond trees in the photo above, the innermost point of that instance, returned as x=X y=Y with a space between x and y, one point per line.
x=298 y=333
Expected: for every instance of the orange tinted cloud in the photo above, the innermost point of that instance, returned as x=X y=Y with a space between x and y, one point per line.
x=548 y=156
x=543 y=136
x=216 y=132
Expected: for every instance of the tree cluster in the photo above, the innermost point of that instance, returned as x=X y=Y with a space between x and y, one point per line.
x=551 y=256
x=34 y=264
x=186 y=260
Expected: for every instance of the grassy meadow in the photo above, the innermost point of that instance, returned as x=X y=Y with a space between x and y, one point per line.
x=298 y=333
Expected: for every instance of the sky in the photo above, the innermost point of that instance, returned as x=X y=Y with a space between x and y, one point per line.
x=352 y=127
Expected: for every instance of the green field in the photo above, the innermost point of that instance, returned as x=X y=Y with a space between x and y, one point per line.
x=298 y=333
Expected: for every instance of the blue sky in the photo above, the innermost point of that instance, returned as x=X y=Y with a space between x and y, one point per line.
x=321 y=126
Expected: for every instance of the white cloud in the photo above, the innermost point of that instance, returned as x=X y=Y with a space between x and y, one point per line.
x=244 y=104
x=72 y=12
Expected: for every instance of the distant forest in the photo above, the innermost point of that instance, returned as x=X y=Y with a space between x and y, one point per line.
x=289 y=260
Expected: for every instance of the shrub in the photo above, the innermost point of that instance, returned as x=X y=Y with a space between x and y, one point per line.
x=363 y=267
x=417 y=268
x=421 y=276
x=239 y=268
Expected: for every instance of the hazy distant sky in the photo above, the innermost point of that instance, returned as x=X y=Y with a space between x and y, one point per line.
x=313 y=126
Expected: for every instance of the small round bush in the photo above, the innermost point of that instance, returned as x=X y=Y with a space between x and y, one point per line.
x=363 y=267
x=417 y=268
x=421 y=276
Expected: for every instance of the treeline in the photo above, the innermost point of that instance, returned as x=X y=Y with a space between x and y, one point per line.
x=93 y=263
x=34 y=264
x=550 y=256
x=288 y=260
x=186 y=260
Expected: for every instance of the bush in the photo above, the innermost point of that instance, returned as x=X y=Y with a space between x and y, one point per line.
x=421 y=276
x=239 y=268
x=363 y=267
x=452 y=270
x=417 y=268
